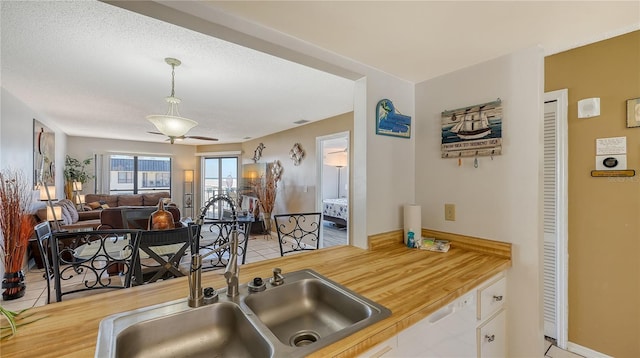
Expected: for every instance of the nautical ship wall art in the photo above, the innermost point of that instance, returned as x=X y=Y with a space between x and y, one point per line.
x=472 y=131
x=389 y=121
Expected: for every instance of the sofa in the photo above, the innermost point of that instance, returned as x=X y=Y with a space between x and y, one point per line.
x=97 y=201
x=89 y=217
x=112 y=218
x=101 y=211
x=71 y=218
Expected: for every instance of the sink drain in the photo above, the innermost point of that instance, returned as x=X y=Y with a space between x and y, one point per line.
x=303 y=338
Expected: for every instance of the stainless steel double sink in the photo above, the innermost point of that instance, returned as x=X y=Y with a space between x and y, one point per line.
x=306 y=313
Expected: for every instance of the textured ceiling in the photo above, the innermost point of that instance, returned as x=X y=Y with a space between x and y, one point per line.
x=98 y=70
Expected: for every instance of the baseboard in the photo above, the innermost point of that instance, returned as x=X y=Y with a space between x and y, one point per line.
x=584 y=351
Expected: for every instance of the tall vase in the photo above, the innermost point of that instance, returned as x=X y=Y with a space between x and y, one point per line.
x=161 y=219
x=13 y=284
x=267 y=222
x=68 y=190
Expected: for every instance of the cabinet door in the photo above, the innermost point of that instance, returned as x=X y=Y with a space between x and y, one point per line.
x=492 y=337
x=491 y=298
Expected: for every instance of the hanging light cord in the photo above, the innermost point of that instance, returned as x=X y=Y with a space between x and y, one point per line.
x=173 y=79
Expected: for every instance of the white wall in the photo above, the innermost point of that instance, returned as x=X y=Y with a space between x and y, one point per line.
x=16 y=139
x=390 y=160
x=16 y=126
x=183 y=157
x=500 y=199
x=382 y=169
x=16 y=136
x=330 y=181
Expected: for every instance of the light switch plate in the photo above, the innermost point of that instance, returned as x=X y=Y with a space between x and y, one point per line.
x=450 y=212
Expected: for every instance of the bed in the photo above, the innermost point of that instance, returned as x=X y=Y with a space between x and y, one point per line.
x=336 y=211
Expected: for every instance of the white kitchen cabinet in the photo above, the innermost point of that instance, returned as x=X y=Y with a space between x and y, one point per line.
x=474 y=325
x=492 y=337
x=450 y=331
x=384 y=349
x=491 y=298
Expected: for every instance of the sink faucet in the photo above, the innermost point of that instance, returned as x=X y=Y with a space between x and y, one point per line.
x=231 y=272
x=196 y=298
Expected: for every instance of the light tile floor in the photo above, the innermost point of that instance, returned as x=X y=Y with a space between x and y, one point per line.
x=260 y=247
x=552 y=351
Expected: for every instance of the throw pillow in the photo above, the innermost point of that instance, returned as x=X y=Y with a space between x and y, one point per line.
x=104 y=206
x=69 y=210
x=94 y=205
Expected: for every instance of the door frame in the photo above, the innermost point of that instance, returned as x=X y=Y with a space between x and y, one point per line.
x=320 y=172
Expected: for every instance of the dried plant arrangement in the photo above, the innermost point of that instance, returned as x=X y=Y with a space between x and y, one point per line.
x=265 y=189
x=16 y=226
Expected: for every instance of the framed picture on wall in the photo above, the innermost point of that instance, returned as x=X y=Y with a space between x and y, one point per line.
x=633 y=112
x=472 y=131
x=44 y=151
x=389 y=121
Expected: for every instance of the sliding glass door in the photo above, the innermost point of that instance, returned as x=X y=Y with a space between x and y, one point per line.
x=220 y=177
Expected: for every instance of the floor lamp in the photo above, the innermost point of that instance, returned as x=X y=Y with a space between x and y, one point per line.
x=188 y=191
x=338 y=160
x=339 y=168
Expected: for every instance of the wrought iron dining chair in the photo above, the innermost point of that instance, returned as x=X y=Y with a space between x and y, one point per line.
x=219 y=212
x=43 y=235
x=220 y=234
x=101 y=259
x=161 y=253
x=298 y=231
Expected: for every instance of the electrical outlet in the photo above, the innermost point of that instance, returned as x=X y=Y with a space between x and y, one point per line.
x=450 y=212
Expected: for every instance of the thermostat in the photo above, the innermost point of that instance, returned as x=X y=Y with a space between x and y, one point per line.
x=611 y=162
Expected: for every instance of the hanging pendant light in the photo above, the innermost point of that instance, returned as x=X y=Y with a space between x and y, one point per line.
x=172 y=124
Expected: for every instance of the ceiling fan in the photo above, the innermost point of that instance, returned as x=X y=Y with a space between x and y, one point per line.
x=173 y=138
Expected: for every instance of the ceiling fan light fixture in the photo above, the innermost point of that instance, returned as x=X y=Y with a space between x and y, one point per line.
x=172 y=124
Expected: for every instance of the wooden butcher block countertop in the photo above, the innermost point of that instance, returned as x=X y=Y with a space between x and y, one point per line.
x=411 y=283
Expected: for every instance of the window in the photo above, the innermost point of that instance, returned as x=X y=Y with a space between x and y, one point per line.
x=125 y=177
x=131 y=174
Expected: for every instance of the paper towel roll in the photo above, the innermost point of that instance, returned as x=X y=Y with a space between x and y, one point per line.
x=412 y=220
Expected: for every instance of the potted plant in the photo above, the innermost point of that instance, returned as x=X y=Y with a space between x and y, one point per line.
x=16 y=227
x=14 y=320
x=75 y=171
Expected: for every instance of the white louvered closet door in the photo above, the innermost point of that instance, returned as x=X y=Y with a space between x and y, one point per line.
x=555 y=217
